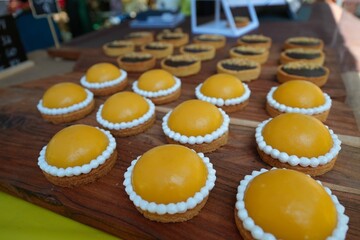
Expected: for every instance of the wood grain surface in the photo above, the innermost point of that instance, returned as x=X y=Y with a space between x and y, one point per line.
x=105 y=205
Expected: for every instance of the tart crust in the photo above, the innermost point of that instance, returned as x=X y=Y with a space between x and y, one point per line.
x=82 y=179
x=266 y=44
x=69 y=117
x=176 y=38
x=207 y=54
x=139 y=66
x=177 y=217
x=182 y=71
x=313 y=171
x=217 y=41
x=241 y=21
x=204 y=147
x=282 y=77
x=167 y=98
x=141 y=39
x=288 y=44
x=163 y=50
x=244 y=75
x=134 y=130
x=284 y=58
x=109 y=90
x=273 y=112
x=127 y=46
x=260 y=58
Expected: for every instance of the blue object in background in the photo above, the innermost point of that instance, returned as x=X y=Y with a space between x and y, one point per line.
x=35 y=32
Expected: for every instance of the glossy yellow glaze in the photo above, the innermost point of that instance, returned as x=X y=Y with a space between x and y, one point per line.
x=290 y=205
x=102 y=72
x=195 y=118
x=124 y=107
x=63 y=95
x=297 y=134
x=298 y=93
x=169 y=174
x=155 y=80
x=223 y=86
x=75 y=146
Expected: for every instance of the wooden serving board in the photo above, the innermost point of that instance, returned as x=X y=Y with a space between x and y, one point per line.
x=105 y=205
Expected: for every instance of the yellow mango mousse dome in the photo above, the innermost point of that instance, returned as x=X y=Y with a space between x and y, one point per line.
x=75 y=145
x=63 y=95
x=290 y=205
x=102 y=72
x=223 y=86
x=195 y=118
x=298 y=134
x=168 y=174
x=299 y=93
x=124 y=107
x=156 y=80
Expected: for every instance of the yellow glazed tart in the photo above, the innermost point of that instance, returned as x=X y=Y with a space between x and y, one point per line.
x=176 y=38
x=140 y=38
x=181 y=65
x=217 y=41
x=224 y=91
x=255 y=40
x=159 y=86
x=169 y=183
x=198 y=125
x=158 y=49
x=286 y=204
x=104 y=79
x=298 y=96
x=256 y=54
x=315 y=56
x=299 y=142
x=201 y=51
x=245 y=70
x=301 y=70
x=126 y=114
x=117 y=48
x=136 y=61
x=304 y=42
x=78 y=155
x=66 y=102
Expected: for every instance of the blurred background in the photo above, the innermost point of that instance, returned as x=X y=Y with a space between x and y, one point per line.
x=78 y=17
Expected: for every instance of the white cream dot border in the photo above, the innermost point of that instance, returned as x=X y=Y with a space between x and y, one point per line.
x=258 y=233
x=295 y=160
x=84 y=169
x=171 y=208
x=60 y=111
x=160 y=93
x=89 y=85
x=219 y=102
x=287 y=109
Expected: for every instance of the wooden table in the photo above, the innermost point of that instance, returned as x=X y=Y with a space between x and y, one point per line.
x=105 y=205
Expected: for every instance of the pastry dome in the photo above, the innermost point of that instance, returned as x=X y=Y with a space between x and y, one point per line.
x=298 y=134
x=124 y=107
x=75 y=145
x=223 y=86
x=102 y=72
x=299 y=93
x=169 y=174
x=156 y=80
x=195 y=118
x=63 y=95
x=303 y=209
